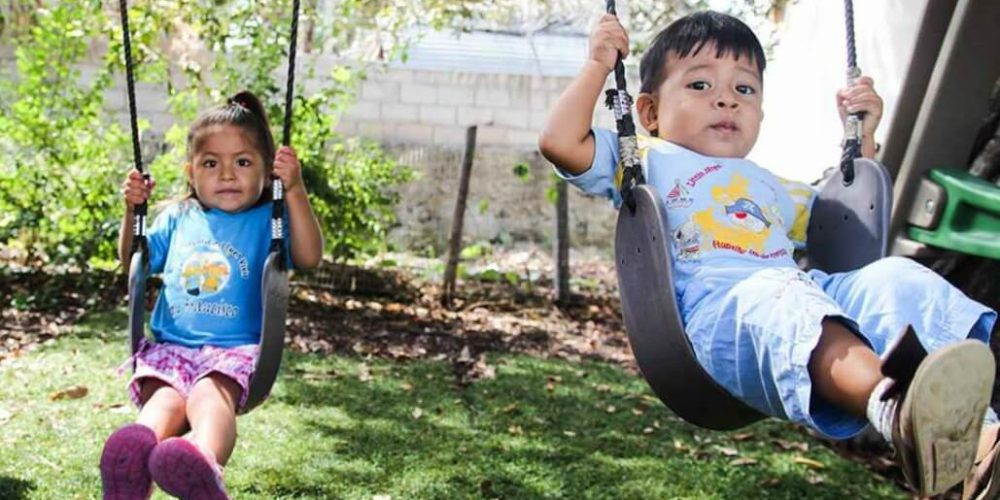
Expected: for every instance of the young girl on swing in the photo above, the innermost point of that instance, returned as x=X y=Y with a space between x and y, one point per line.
x=809 y=347
x=210 y=248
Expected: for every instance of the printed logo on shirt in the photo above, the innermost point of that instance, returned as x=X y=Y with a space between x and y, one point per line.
x=205 y=273
x=747 y=214
x=687 y=241
x=735 y=223
x=679 y=196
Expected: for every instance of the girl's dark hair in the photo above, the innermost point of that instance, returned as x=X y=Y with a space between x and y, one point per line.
x=245 y=111
x=689 y=34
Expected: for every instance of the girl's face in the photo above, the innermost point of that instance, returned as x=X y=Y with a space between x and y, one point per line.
x=227 y=171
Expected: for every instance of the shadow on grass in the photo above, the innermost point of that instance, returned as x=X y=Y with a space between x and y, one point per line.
x=542 y=429
x=13 y=488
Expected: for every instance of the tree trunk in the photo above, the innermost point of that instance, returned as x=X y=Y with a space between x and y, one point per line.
x=455 y=241
x=563 y=293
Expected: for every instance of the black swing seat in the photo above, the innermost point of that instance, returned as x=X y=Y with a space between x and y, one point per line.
x=274 y=295
x=848 y=229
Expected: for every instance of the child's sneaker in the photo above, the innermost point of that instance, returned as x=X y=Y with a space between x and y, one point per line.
x=182 y=470
x=983 y=482
x=125 y=463
x=939 y=418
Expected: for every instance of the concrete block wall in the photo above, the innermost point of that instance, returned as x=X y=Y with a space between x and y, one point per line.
x=402 y=106
x=421 y=117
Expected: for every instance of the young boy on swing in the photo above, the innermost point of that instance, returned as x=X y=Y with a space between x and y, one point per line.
x=802 y=346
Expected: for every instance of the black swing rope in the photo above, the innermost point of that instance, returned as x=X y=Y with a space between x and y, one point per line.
x=278 y=190
x=852 y=129
x=139 y=221
x=618 y=100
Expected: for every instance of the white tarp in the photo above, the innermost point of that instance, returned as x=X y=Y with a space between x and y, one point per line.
x=801 y=132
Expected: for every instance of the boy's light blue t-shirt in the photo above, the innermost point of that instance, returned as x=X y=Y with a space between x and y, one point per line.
x=211 y=263
x=728 y=216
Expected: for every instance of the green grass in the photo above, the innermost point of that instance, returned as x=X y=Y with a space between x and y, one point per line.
x=540 y=429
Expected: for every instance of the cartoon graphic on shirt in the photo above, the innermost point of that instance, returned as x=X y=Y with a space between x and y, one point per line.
x=205 y=273
x=679 y=196
x=740 y=225
x=747 y=214
x=687 y=241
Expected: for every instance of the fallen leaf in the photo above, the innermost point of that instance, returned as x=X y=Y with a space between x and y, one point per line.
x=509 y=408
x=75 y=392
x=611 y=409
x=742 y=436
x=407 y=386
x=790 y=445
x=742 y=461
x=417 y=412
x=515 y=430
x=604 y=388
x=637 y=411
x=815 y=464
x=569 y=433
x=647 y=430
x=365 y=373
x=729 y=452
x=815 y=479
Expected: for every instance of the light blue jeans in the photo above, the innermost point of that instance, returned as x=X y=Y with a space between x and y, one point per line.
x=756 y=338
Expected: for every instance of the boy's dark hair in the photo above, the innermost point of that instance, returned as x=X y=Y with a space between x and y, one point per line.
x=689 y=34
x=245 y=111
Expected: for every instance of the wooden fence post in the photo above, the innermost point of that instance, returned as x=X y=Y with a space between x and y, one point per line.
x=455 y=241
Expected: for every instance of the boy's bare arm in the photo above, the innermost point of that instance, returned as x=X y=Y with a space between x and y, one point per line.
x=566 y=140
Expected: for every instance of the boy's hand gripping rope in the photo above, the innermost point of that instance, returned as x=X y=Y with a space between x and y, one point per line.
x=852 y=127
x=618 y=100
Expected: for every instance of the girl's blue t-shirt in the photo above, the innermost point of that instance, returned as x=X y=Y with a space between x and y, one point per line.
x=211 y=263
x=728 y=217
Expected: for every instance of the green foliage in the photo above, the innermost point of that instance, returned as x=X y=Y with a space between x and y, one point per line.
x=60 y=155
x=523 y=172
x=350 y=181
x=476 y=251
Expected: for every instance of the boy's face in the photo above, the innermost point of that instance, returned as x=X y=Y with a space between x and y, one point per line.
x=709 y=105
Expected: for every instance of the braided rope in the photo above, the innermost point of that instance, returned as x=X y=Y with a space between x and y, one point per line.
x=278 y=191
x=286 y=135
x=619 y=101
x=852 y=58
x=139 y=222
x=852 y=133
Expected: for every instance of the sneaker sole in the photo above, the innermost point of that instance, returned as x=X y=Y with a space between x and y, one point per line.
x=180 y=469
x=124 y=464
x=946 y=402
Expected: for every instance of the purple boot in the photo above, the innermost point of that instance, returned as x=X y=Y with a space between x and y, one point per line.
x=125 y=463
x=182 y=470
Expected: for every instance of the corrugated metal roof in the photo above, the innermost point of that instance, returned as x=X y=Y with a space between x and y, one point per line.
x=544 y=54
